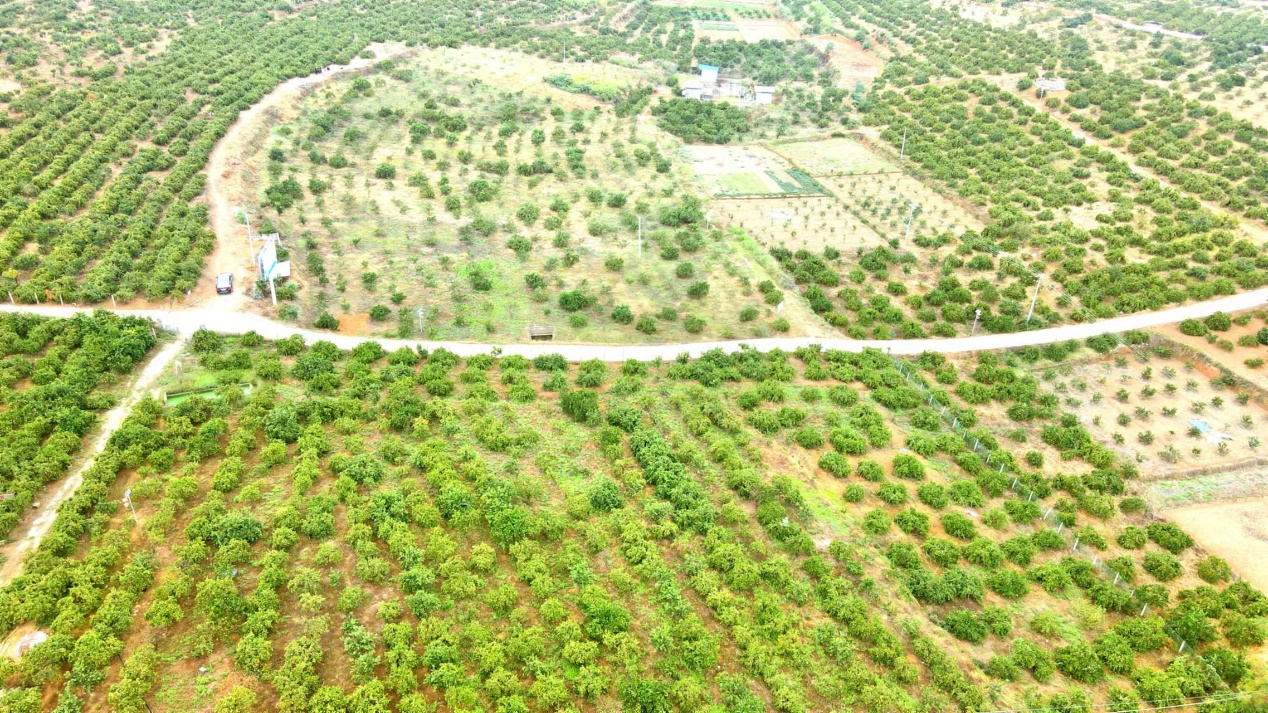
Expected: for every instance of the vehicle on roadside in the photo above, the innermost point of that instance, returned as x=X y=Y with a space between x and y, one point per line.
x=224 y=283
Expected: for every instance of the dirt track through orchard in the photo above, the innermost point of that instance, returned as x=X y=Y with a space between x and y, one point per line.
x=35 y=527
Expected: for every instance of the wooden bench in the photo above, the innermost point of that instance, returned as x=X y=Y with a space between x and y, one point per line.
x=541 y=333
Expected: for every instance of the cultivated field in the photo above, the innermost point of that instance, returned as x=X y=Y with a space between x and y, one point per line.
x=503 y=196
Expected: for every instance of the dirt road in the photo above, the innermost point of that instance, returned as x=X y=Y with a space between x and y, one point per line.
x=38 y=524
x=225 y=194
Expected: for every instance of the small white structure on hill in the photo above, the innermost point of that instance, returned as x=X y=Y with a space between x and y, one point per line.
x=1050 y=84
x=1152 y=26
x=708 y=74
x=693 y=89
x=764 y=94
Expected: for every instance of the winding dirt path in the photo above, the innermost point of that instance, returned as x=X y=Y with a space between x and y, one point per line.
x=226 y=192
x=37 y=526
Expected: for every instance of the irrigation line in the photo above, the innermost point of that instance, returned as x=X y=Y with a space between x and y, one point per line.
x=1189 y=702
x=1018 y=487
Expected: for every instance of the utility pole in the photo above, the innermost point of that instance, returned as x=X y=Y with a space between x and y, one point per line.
x=127 y=500
x=640 y=237
x=250 y=241
x=903 y=152
x=910 y=215
x=977 y=314
x=1035 y=298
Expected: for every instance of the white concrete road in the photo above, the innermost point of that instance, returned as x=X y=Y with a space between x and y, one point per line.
x=186 y=322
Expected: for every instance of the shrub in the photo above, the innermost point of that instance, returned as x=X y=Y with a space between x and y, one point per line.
x=876 y=522
x=1116 y=653
x=1219 y=322
x=326 y=320
x=1163 y=566
x=1080 y=662
x=1214 y=570
x=892 y=493
x=698 y=290
x=693 y=324
x=622 y=314
x=959 y=526
x=1169 y=537
x=966 y=493
x=575 y=300
x=1008 y=583
x=984 y=553
x=1132 y=538
x=646 y=325
x=870 y=470
x=1193 y=328
x=385 y=171
x=378 y=313
x=835 y=463
x=941 y=552
x=913 y=522
x=1003 y=667
x=903 y=555
x=854 y=493
x=933 y=495
x=908 y=466
x=966 y=626
x=808 y=438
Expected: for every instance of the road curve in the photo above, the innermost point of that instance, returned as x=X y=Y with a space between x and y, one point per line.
x=186 y=322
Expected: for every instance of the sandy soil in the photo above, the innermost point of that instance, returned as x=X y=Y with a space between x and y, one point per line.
x=46 y=508
x=1235 y=531
x=225 y=192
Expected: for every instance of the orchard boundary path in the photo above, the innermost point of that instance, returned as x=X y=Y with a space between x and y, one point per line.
x=186 y=322
x=35 y=527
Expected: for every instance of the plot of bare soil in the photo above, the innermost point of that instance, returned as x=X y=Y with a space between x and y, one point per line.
x=834 y=157
x=1239 y=359
x=852 y=62
x=1163 y=414
x=741 y=170
x=1235 y=531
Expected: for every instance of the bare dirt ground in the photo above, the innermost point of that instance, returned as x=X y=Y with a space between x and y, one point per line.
x=1235 y=360
x=1154 y=429
x=746 y=30
x=736 y=169
x=834 y=157
x=1236 y=531
x=225 y=192
x=852 y=62
x=45 y=511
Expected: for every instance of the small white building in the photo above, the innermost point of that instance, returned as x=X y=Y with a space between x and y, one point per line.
x=693 y=89
x=1050 y=84
x=1152 y=26
x=708 y=74
x=764 y=94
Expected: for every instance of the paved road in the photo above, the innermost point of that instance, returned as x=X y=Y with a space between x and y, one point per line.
x=186 y=322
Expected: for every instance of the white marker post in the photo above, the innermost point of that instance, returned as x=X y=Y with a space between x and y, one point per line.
x=127 y=500
x=1035 y=299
